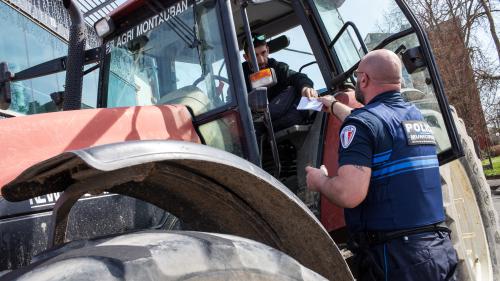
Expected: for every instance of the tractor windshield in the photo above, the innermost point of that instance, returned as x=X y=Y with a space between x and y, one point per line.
x=175 y=56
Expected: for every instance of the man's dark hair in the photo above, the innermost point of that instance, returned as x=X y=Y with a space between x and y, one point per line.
x=257 y=39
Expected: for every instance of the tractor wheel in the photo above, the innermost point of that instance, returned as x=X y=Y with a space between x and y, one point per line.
x=470 y=213
x=159 y=255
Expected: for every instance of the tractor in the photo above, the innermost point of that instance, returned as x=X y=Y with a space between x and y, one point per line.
x=166 y=179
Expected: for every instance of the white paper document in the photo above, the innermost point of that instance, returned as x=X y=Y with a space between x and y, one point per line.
x=312 y=104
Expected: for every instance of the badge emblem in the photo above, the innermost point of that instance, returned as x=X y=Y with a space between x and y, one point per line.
x=418 y=132
x=347 y=135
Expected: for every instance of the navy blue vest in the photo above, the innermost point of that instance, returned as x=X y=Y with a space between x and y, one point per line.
x=405 y=186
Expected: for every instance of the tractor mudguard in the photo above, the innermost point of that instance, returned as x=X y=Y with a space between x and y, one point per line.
x=31 y=139
x=206 y=188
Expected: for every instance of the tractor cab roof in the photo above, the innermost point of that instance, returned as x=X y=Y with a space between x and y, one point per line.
x=270 y=18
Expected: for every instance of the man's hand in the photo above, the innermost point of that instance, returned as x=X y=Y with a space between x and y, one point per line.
x=340 y=110
x=309 y=93
x=327 y=102
x=347 y=190
x=316 y=178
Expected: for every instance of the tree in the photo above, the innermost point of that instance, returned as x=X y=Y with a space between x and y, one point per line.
x=472 y=18
x=488 y=11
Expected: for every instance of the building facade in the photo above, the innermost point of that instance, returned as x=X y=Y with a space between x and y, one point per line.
x=457 y=74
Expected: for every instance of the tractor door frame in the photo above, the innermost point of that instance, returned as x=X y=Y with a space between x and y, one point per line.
x=329 y=64
x=456 y=147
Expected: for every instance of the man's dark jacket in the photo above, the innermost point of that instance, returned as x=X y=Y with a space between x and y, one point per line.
x=285 y=76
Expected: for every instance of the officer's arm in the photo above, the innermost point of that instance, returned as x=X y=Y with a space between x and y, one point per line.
x=347 y=190
x=350 y=187
x=340 y=110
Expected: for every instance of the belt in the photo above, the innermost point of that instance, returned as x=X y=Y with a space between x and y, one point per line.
x=379 y=237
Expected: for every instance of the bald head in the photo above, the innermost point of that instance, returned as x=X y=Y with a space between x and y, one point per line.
x=378 y=72
x=382 y=66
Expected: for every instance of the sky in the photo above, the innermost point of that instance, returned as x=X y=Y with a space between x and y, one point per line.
x=351 y=11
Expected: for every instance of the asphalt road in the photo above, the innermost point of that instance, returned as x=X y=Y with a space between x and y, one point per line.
x=495 y=193
x=496 y=200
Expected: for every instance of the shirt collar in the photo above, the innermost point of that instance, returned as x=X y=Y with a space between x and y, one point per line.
x=387 y=96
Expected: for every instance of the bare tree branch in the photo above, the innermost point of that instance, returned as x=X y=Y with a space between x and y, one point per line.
x=493 y=32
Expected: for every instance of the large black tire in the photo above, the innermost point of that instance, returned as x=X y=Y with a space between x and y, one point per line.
x=470 y=213
x=482 y=192
x=158 y=255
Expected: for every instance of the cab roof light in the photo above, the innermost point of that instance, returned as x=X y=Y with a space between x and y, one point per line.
x=104 y=27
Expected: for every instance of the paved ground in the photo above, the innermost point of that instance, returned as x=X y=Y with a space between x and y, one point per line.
x=495 y=193
x=496 y=201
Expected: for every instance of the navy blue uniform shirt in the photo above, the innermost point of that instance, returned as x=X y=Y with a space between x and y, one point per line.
x=358 y=142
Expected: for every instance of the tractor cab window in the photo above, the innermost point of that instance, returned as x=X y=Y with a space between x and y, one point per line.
x=298 y=55
x=173 y=57
x=356 y=26
x=25 y=44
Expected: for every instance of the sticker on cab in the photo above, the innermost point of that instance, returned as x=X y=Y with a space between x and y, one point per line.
x=347 y=135
x=418 y=132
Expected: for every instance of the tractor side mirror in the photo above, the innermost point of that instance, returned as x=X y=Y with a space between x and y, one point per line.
x=414 y=60
x=278 y=44
x=5 y=77
x=257 y=99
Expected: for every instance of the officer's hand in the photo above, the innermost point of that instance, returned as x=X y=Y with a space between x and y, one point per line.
x=327 y=102
x=309 y=93
x=316 y=178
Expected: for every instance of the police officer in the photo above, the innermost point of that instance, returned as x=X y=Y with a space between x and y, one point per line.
x=388 y=180
x=285 y=95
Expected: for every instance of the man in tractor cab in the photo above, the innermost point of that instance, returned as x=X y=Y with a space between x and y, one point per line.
x=285 y=95
x=388 y=180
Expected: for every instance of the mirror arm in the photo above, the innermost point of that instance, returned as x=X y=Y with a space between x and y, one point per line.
x=393 y=37
x=257 y=99
x=54 y=66
x=91 y=69
x=343 y=76
x=356 y=31
x=246 y=25
x=306 y=65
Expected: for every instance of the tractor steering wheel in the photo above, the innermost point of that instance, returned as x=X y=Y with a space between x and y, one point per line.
x=218 y=77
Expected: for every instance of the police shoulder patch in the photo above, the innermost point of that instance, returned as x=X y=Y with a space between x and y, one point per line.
x=347 y=135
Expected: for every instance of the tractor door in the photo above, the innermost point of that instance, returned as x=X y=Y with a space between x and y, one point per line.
x=349 y=29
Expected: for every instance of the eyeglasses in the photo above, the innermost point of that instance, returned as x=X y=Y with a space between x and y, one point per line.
x=356 y=73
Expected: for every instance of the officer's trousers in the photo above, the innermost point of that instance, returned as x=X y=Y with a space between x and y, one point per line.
x=420 y=257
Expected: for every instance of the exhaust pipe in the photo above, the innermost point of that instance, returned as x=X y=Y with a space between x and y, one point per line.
x=76 y=58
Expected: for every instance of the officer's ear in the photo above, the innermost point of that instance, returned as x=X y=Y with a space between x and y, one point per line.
x=364 y=80
x=245 y=56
